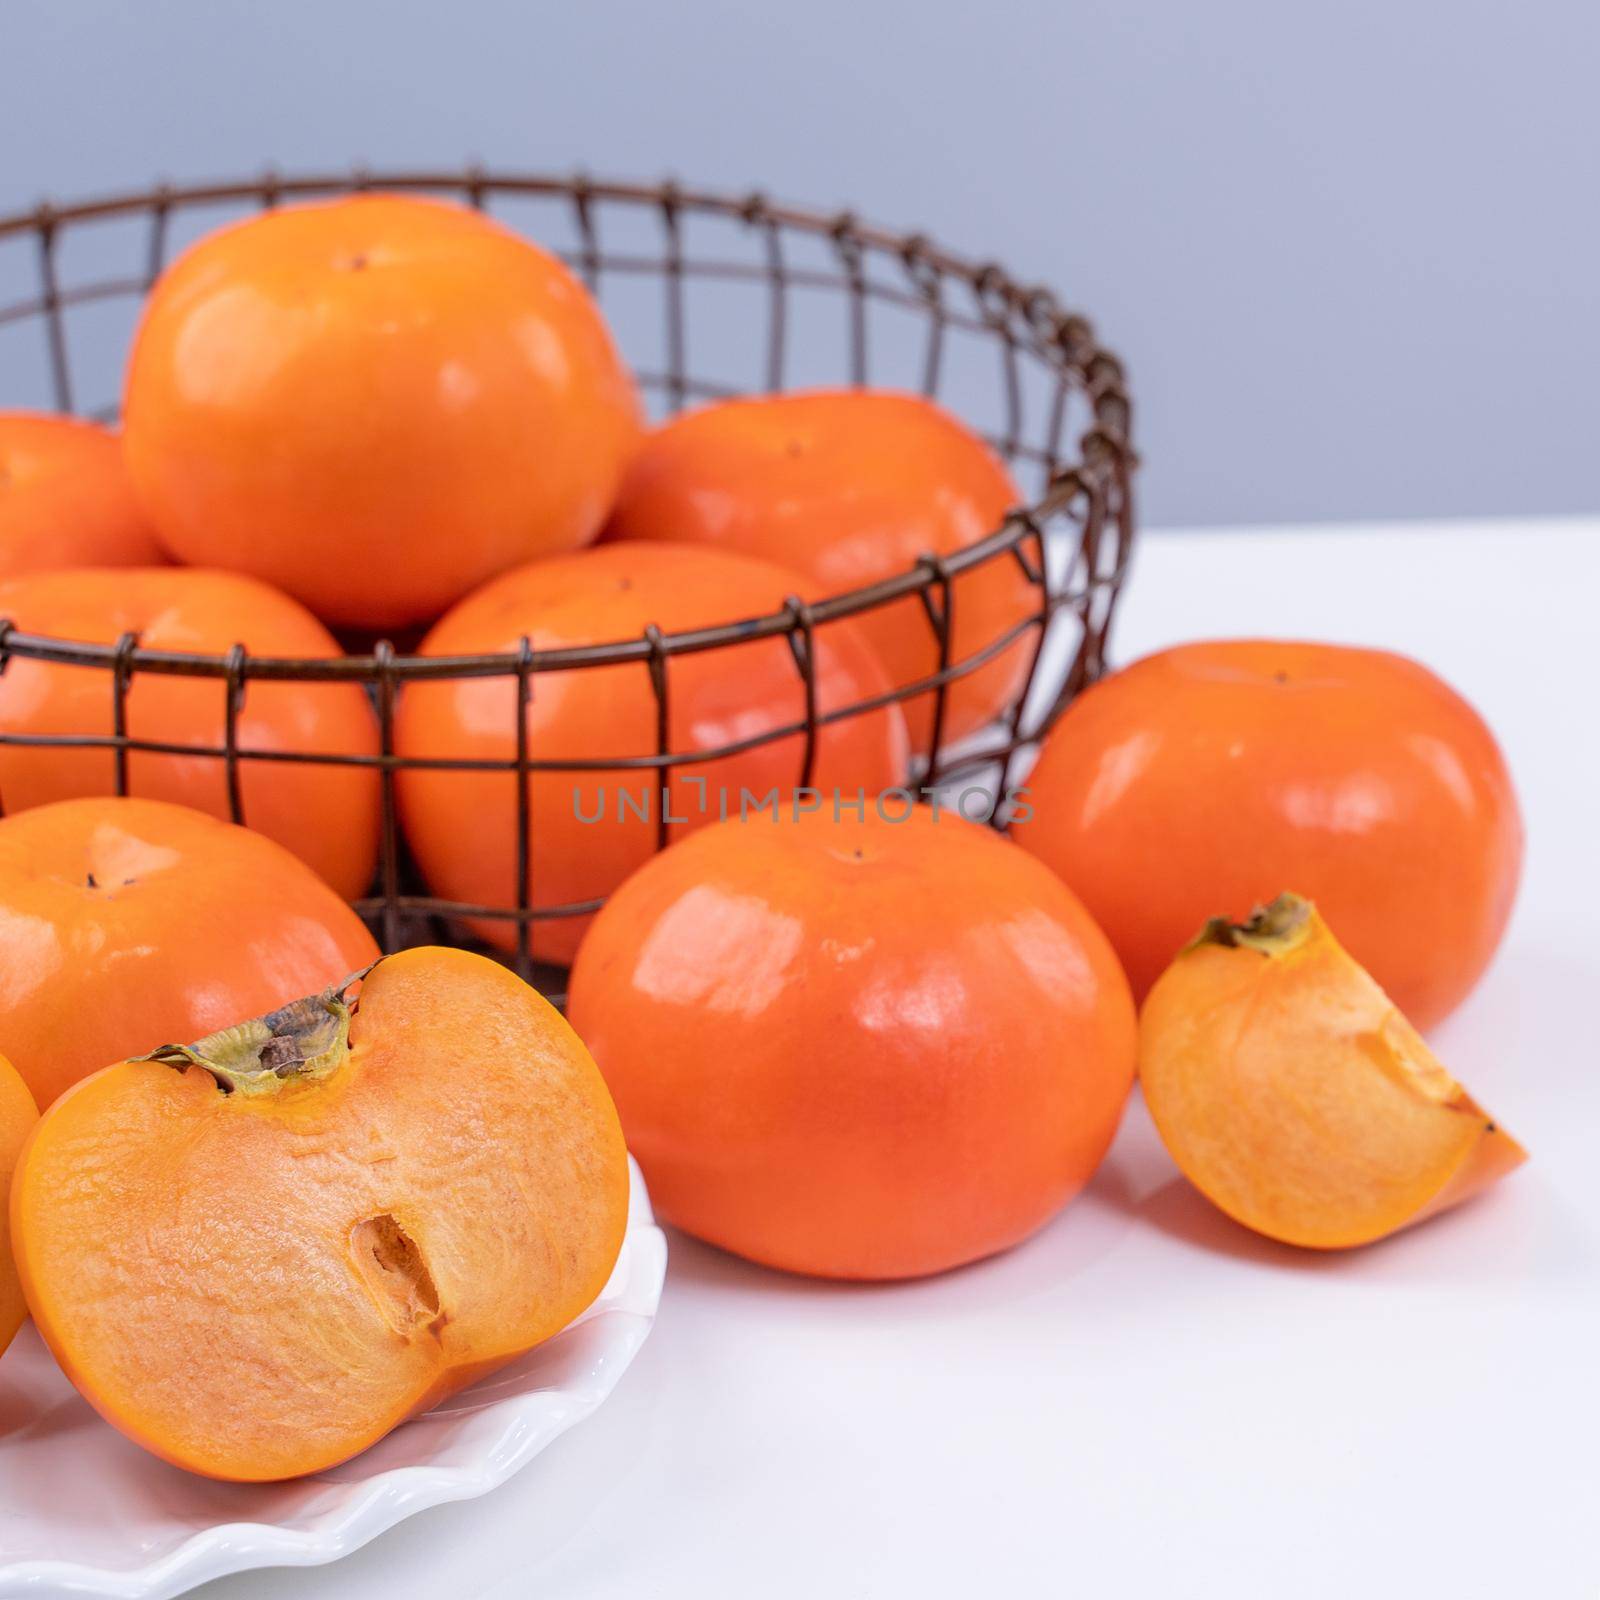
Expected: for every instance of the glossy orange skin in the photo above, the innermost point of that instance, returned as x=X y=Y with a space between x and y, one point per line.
x=65 y=498
x=129 y=924
x=329 y=816
x=462 y=826
x=375 y=403
x=18 y=1114
x=849 y=486
x=1202 y=779
x=856 y=1049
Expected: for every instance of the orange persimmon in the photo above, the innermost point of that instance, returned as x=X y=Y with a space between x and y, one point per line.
x=849 y=486
x=327 y=815
x=257 y=1254
x=589 y=829
x=125 y=923
x=1295 y=1096
x=1214 y=773
x=859 y=1048
x=17 y=1117
x=65 y=498
x=374 y=403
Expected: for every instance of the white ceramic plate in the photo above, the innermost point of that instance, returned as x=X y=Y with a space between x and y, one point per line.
x=85 y=1512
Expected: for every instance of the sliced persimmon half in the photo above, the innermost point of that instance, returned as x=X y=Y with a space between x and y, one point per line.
x=1295 y=1096
x=255 y=1255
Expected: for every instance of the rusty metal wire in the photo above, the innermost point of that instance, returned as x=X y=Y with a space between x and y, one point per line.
x=1072 y=543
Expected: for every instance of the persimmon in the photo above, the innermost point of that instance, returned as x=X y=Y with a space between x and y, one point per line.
x=328 y=815
x=1294 y=1095
x=374 y=403
x=65 y=498
x=130 y=922
x=868 y=1047
x=1214 y=773
x=589 y=829
x=17 y=1117
x=257 y=1254
x=849 y=486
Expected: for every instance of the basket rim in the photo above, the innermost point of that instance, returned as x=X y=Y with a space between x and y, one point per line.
x=1063 y=338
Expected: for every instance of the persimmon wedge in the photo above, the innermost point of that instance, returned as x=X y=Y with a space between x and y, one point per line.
x=1294 y=1095
x=257 y=1254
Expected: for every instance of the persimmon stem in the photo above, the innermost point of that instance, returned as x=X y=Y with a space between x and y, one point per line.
x=304 y=1040
x=1273 y=929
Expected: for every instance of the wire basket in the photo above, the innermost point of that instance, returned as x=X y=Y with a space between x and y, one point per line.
x=710 y=296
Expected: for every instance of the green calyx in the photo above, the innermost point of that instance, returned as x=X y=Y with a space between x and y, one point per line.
x=1273 y=929
x=301 y=1042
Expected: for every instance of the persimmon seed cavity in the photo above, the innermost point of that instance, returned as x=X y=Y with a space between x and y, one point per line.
x=391 y=1263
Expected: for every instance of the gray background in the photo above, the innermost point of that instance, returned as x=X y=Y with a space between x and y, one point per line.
x=1349 y=250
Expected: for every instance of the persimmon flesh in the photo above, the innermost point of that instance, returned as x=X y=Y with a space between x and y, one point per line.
x=257 y=1254
x=1296 y=1097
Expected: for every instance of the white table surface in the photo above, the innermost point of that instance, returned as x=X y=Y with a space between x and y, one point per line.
x=1145 y=1400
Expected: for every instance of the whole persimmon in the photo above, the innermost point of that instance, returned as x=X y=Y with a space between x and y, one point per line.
x=866 y=1047
x=1212 y=774
x=850 y=486
x=328 y=815
x=128 y=923
x=17 y=1117
x=1296 y=1097
x=257 y=1254
x=65 y=498
x=590 y=828
x=374 y=403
